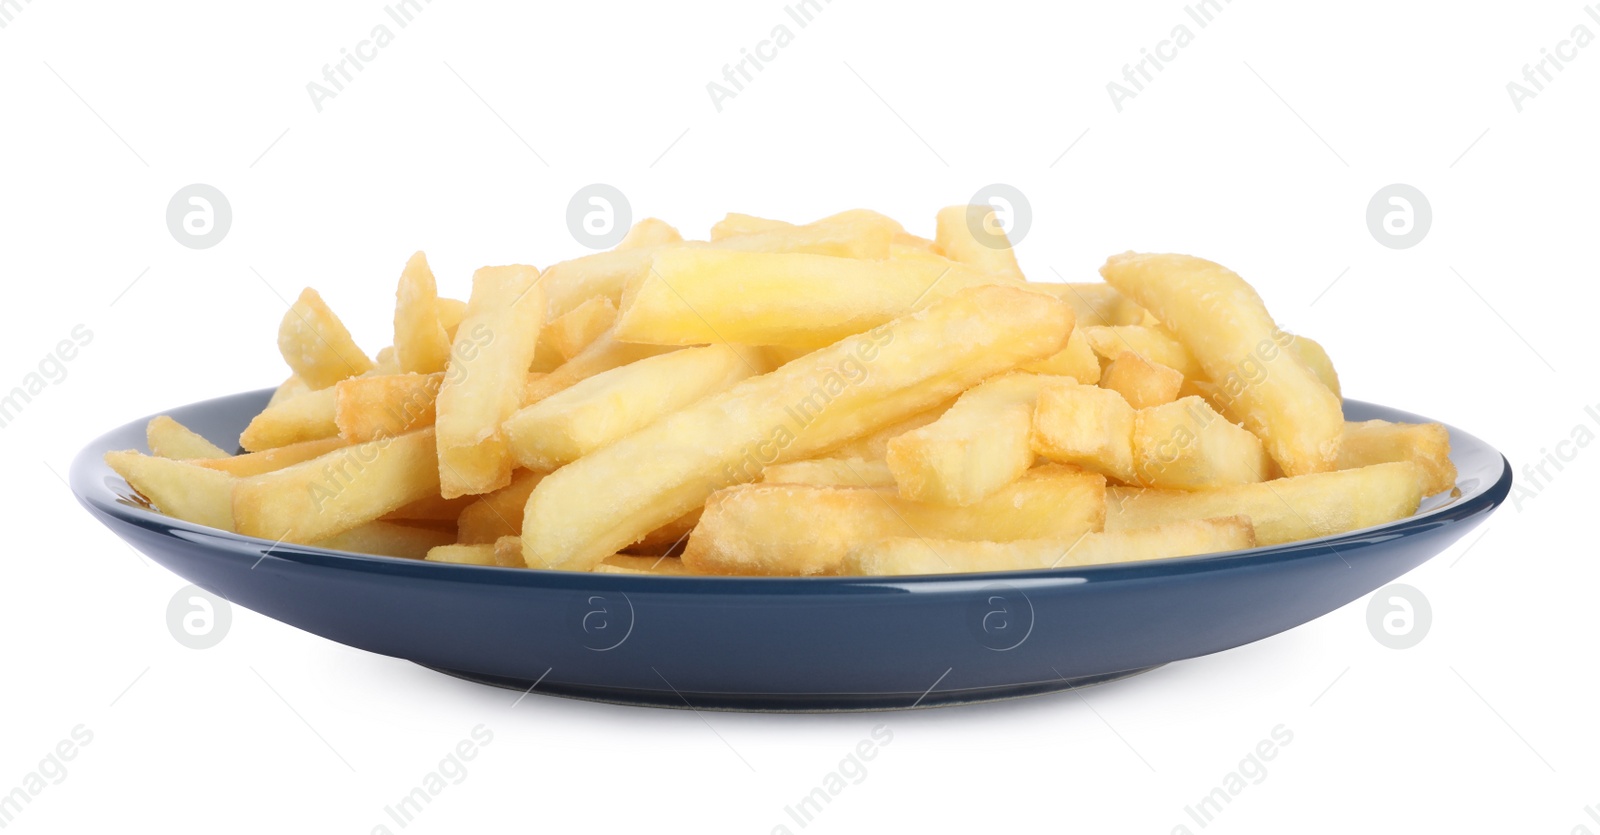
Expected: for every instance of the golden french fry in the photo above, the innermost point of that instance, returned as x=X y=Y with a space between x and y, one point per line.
x=316 y=345
x=787 y=529
x=857 y=233
x=603 y=354
x=1186 y=445
x=1088 y=426
x=628 y=564
x=508 y=552
x=421 y=345
x=1315 y=358
x=497 y=514
x=573 y=331
x=809 y=406
x=972 y=235
x=1378 y=441
x=701 y=296
x=338 y=491
x=875 y=444
x=1226 y=327
x=1096 y=303
x=1076 y=360
x=1152 y=343
x=735 y=223
x=649 y=232
x=567 y=425
x=451 y=312
x=831 y=472
x=667 y=539
x=388 y=539
x=267 y=460
x=1187 y=538
x=179 y=489
x=303 y=417
x=168 y=438
x=482 y=387
x=980 y=445
x=462 y=554
x=430 y=511
x=1285 y=509
x=1141 y=382
x=292 y=387
x=366 y=408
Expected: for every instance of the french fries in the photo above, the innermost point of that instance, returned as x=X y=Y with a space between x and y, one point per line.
x=816 y=402
x=910 y=555
x=1227 y=329
x=481 y=386
x=1285 y=509
x=839 y=397
x=800 y=530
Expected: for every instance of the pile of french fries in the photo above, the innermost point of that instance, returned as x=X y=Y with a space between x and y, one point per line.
x=834 y=398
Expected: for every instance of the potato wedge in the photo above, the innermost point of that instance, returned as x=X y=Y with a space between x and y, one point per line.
x=809 y=406
x=267 y=460
x=482 y=387
x=1187 y=538
x=316 y=344
x=304 y=417
x=1141 y=382
x=570 y=424
x=1378 y=441
x=178 y=489
x=421 y=345
x=1226 y=327
x=784 y=529
x=366 y=408
x=168 y=438
x=1152 y=343
x=1285 y=509
x=1088 y=426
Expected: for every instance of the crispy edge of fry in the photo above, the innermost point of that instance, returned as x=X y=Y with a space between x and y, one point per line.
x=1184 y=538
x=367 y=408
x=275 y=458
x=980 y=445
x=1379 y=441
x=168 y=438
x=1086 y=426
x=1187 y=445
x=421 y=345
x=179 y=489
x=1142 y=382
x=482 y=386
x=316 y=345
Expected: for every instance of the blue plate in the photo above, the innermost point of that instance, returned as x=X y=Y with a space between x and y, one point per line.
x=787 y=644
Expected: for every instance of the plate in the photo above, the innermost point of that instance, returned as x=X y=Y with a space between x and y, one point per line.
x=787 y=644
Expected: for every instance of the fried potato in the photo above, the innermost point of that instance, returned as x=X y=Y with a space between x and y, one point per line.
x=462 y=554
x=701 y=296
x=432 y=511
x=1315 y=358
x=1141 y=382
x=508 y=552
x=292 y=387
x=627 y=564
x=1076 y=360
x=1378 y=441
x=388 y=539
x=1285 y=509
x=875 y=444
x=304 y=417
x=567 y=425
x=316 y=345
x=267 y=460
x=649 y=232
x=980 y=445
x=800 y=530
x=179 y=489
x=1186 y=445
x=1088 y=426
x=1096 y=303
x=1152 y=343
x=168 y=438
x=985 y=250
x=594 y=506
x=1187 y=538
x=366 y=408
x=497 y=514
x=573 y=331
x=736 y=223
x=333 y=493
x=603 y=354
x=831 y=472
x=482 y=387
x=1226 y=327
x=667 y=539
x=451 y=312
x=421 y=345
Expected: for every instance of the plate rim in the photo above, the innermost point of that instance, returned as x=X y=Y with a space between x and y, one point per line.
x=88 y=477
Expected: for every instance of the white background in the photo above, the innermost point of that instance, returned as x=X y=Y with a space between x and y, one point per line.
x=1259 y=146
